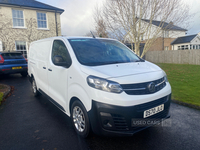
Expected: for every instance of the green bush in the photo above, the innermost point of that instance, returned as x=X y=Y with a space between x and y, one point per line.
x=1 y=97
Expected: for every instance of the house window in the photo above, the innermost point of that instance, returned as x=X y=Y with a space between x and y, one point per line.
x=194 y=46
x=21 y=47
x=182 y=47
x=18 y=18
x=179 y=47
x=166 y=34
x=190 y=46
x=166 y=47
x=41 y=20
x=186 y=46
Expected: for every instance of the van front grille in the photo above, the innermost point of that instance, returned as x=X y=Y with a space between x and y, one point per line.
x=146 y=106
x=142 y=88
x=120 y=122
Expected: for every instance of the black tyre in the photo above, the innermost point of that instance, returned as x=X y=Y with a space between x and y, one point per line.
x=34 y=88
x=24 y=74
x=80 y=120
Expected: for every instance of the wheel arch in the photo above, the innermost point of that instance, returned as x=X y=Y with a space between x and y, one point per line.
x=72 y=100
x=77 y=92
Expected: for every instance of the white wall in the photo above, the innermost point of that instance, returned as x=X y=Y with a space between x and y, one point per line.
x=175 y=47
x=1 y=46
x=175 y=34
x=196 y=40
x=154 y=31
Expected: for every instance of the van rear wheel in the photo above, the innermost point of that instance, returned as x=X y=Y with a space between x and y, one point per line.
x=80 y=120
x=34 y=88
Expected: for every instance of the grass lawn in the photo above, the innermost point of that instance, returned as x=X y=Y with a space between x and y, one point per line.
x=185 y=82
x=1 y=97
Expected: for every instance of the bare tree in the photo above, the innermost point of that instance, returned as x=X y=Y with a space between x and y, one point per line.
x=7 y=34
x=100 y=25
x=133 y=19
x=32 y=33
x=91 y=33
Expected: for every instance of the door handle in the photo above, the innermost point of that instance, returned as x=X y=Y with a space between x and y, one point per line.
x=49 y=69
x=44 y=67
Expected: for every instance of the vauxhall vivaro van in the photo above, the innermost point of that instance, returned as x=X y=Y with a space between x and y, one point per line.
x=100 y=83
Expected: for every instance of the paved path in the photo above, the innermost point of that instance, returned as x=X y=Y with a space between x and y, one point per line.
x=29 y=123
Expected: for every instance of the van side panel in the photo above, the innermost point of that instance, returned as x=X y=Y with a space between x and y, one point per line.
x=78 y=87
x=38 y=56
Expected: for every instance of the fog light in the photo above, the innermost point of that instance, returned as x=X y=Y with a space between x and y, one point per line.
x=106 y=123
x=106 y=119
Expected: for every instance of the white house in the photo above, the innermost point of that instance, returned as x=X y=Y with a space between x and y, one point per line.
x=169 y=30
x=24 y=21
x=186 y=42
x=166 y=33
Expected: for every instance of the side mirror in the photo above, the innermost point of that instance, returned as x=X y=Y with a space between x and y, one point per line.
x=59 y=61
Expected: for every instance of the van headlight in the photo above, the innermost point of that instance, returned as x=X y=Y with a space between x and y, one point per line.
x=103 y=84
x=165 y=76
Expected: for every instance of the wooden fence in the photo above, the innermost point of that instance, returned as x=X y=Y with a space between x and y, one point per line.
x=174 y=56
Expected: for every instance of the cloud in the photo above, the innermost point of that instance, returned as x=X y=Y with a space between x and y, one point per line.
x=194 y=26
x=77 y=19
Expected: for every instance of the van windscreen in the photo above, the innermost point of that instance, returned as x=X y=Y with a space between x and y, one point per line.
x=94 y=52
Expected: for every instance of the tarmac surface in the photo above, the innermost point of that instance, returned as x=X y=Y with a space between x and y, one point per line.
x=29 y=123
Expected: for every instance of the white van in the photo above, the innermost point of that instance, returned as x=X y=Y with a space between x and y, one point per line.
x=100 y=83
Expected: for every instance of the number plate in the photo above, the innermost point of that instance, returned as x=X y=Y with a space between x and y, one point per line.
x=16 y=67
x=153 y=111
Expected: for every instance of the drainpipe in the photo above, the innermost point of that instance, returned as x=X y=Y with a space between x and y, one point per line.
x=56 y=23
x=163 y=39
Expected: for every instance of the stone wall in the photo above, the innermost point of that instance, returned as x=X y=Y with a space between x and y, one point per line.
x=30 y=32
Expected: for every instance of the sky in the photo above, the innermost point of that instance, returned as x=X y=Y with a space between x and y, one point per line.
x=77 y=19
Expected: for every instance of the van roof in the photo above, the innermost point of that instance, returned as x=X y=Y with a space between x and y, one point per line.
x=68 y=37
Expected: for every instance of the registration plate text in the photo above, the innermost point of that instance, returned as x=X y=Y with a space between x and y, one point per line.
x=16 y=67
x=153 y=111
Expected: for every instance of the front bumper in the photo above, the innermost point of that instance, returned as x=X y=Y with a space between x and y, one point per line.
x=114 y=120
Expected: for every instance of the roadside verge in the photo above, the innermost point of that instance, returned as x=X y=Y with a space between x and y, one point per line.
x=4 y=91
x=186 y=104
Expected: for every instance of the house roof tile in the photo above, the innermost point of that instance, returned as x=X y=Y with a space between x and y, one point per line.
x=30 y=3
x=184 y=39
x=165 y=25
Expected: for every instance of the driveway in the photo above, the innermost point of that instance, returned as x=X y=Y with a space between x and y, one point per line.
x=29 y=123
